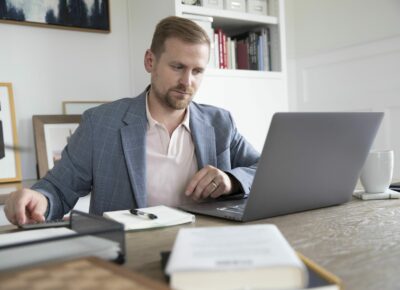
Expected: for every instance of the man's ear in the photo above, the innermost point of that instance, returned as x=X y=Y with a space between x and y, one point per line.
x=149 y=59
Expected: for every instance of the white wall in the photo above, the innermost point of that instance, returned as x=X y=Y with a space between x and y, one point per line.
x=317 y=26
x=344 y=55
x=47 y=66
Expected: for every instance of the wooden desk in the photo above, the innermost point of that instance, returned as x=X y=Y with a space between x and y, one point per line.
x=358 y=241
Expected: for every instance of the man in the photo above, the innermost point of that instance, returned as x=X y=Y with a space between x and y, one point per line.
x=157 y=148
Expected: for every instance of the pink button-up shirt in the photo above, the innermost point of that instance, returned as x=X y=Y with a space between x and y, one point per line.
x=170 y=162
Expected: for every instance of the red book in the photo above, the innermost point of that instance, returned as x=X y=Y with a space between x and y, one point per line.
x=225 y=47
x=221 y=48
x=242 y=54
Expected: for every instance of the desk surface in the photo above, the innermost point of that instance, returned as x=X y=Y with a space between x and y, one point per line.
x=358 y=241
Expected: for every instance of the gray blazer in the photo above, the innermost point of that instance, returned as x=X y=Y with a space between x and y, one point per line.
x=106 y=156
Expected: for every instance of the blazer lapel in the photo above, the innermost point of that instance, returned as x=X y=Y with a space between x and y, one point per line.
x=203 y=138
x=134 y=145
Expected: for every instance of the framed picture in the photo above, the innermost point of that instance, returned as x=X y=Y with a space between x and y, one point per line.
x=88 y=15
x=10 y=164
x=78 y=107
x=51 y=135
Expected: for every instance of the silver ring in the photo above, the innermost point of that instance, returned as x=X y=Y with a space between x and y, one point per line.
x=214 y=184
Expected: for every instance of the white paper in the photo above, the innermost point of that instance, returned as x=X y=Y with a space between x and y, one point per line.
x=64 y=249
x=166 y=216
x=32 y=235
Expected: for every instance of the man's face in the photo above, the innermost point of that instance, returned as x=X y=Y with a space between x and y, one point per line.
x=177 y=73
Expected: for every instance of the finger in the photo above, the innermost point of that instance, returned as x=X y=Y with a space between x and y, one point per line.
x=218 y=192
x=20 y=213
x=8 y=214
x=36 y=211
x=195 y=181
x=21 y=209
x=37 y=217
x=206 y=192
x=205 y=186
x=224 y=185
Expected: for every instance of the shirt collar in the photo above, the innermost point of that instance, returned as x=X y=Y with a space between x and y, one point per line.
x=152 y=122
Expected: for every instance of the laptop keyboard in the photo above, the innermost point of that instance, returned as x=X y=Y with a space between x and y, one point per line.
x=233 y=209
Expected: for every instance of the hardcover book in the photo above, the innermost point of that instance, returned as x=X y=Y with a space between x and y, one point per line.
x=235 y=257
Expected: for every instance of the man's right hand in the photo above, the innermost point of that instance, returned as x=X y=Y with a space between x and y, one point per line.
x=25 y=206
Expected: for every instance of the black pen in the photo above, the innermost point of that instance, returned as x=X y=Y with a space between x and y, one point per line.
x=151 y=216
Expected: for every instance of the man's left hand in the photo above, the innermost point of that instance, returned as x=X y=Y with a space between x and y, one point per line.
x=211 y=182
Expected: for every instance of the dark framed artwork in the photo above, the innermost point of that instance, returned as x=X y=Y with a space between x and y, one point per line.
x=10 y=164
x=88 y=15
x=51 y=135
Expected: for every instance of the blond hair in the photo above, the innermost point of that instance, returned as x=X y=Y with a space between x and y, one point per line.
x=181 y=28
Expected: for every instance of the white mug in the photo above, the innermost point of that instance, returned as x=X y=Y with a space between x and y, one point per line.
x=377 y=172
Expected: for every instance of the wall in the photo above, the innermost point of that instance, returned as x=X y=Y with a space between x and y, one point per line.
x=344 y=55
x=317 y=26
x=47 y=66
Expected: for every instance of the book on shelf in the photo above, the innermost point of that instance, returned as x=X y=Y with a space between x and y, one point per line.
x=166 y=216
x=256 y=55
x=249 y=50
x=216 y=51
x=83 y=273
x=221 y=48
x=242 y=54
x=234 y=257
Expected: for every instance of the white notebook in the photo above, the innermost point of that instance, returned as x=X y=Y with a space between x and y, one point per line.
x=166 y=216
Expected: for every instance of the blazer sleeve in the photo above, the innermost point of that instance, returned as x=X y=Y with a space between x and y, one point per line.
x=71 y=177
x=244 y=159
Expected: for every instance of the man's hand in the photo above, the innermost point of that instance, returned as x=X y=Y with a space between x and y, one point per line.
x=25 y=206
x=211 y=182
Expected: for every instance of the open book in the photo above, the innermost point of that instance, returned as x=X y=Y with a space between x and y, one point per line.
x=166 y=216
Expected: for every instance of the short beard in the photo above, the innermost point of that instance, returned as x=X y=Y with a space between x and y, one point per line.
x=173 y=103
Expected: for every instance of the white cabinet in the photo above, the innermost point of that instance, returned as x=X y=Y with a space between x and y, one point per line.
x=251 y=96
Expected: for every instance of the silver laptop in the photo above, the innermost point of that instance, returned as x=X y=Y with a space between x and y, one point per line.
x=309 y=161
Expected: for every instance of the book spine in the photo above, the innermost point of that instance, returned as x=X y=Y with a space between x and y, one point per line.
x=242 y=54
x=216 y=50
x=225 y=50
x=260 y=53
x=228 y=50
x=266 y=62
x=220 y=48
x=253 y=51
x=233 y=54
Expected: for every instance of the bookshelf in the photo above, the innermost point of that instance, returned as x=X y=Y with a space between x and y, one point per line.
x=251 y=96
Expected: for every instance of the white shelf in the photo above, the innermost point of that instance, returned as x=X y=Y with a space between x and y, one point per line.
x=230 y=18
x=249 y=95
x=238 y=73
